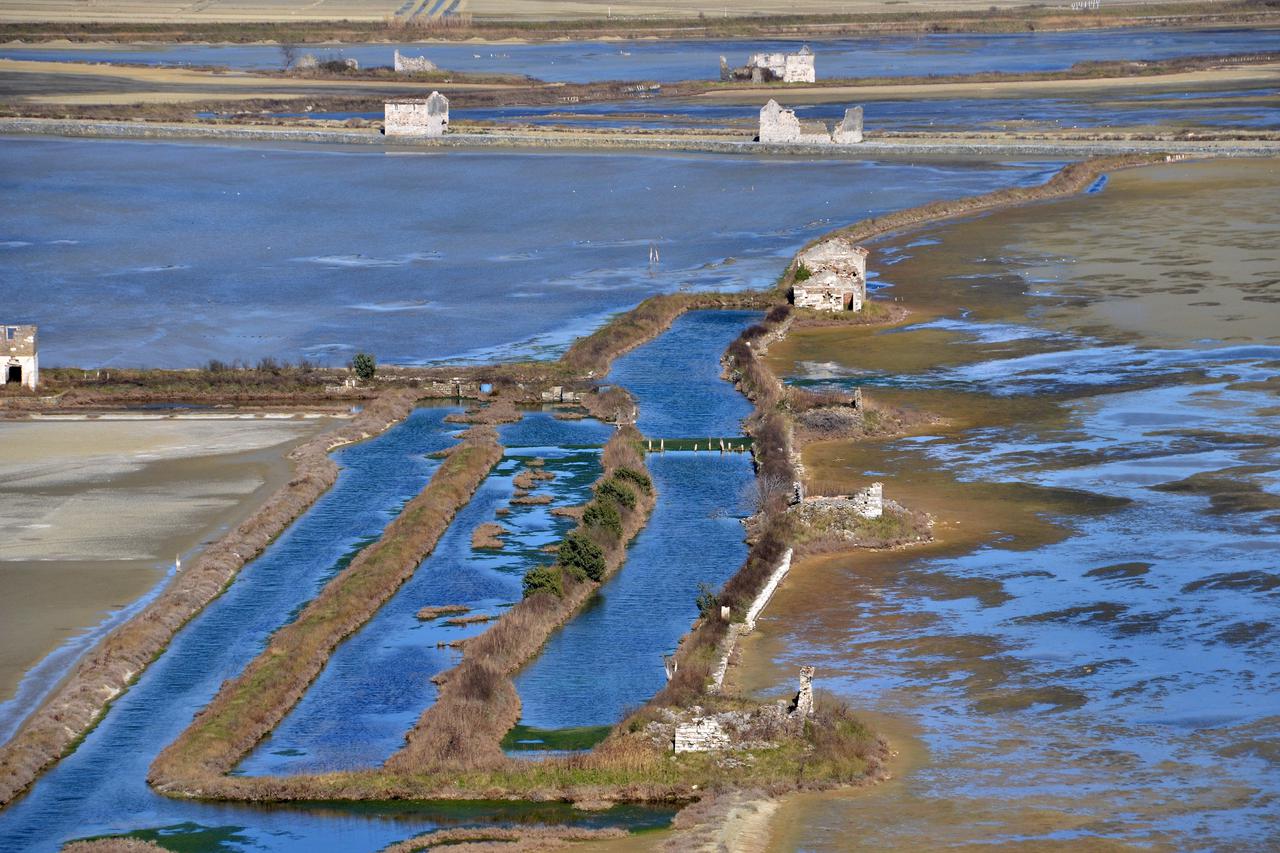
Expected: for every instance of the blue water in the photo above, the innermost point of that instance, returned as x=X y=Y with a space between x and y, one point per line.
x=159 y=254
x=609 y=658
x=665 y=61
x=1115 y=677
x=694 y=536
x=377 y=683
x=675 y=378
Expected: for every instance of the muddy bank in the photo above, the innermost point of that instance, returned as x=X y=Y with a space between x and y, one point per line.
x=107 y=670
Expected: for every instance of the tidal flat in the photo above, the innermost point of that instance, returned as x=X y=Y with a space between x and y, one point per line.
x=1085 y=657
x=95 y=512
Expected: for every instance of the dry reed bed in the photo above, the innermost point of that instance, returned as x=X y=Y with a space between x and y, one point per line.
x=107 y=670
x=525 y=839
x=247 y=708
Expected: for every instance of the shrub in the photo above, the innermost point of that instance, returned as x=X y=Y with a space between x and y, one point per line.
x=708 y=602
x=364 y=366
x=605 y=515
x=615 y=490
x=578 y=553
x=802 y=273
x=543 y=579
x=631 y=475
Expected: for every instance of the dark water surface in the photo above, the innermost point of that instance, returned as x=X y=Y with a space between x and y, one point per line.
x=158 y=254
x=665 y=61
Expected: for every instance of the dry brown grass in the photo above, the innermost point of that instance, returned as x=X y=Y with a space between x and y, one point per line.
x=528 y=839
x=112 y=845
x=488 y=535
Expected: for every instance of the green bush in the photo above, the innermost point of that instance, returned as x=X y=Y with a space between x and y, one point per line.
x=708 y=602
x=605 y=515
x=364 y=366
x=617 y=491
x=802 y=273
x=578 y=553
x=640 y=478
x=543 y=579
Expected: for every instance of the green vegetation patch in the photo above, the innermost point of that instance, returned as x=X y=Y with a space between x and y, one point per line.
x=522 y=737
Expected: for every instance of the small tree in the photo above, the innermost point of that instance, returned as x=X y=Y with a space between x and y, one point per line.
x=603 y=514
x=364 y=366
x=708 y=602
x=803 y=273
x=288 y=54
x=543 y=579
x=578 y=553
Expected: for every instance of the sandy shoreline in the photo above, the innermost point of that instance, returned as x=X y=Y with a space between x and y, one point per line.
x=93 y=514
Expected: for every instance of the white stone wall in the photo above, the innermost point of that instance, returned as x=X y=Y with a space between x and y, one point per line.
x=868 y=503
x=419 y=117
x=413 y=64
x=799 y=67
x=837 y=276
x=701 y=735
x=849 y=131
x=18 y=353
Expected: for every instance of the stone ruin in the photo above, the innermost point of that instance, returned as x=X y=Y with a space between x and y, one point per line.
x=745 y=729
x=19 y=356
x=417 y=116
x=779 y=125
x=868 y=503
x=773 y=67
x=309 y=62
x=837 y=270
x=413 y=64
x=558 y=394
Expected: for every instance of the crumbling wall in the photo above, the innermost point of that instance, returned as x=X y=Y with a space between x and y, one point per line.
x=837 y=281
x=413 y=64
x=703 y=734
x=779 y=124
x=849 y=130
x=796 y=67
x=825 y=511
x=417 y=116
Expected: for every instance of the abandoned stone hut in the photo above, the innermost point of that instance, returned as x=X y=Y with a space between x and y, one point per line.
x=773 y=67
x=19 y=358
x=417 y=116
x=779 y=125
x=412 y=64
x=831 y=276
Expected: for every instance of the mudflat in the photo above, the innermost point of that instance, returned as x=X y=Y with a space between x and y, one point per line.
x=94 y=512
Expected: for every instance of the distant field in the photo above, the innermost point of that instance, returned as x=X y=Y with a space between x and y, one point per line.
x=419 y=11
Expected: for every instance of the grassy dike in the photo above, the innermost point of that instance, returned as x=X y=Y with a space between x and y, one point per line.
x=247 y=708
x=108 y=670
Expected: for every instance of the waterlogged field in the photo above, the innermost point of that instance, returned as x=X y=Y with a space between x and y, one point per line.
x=1089 y=650
x=157 y=254
x=665 y=61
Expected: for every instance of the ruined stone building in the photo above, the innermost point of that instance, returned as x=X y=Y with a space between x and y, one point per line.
x=413 y=64
x=779 y=125
x=19 y=359
x=831 y=276
x=417 y=116
x=773 y=67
